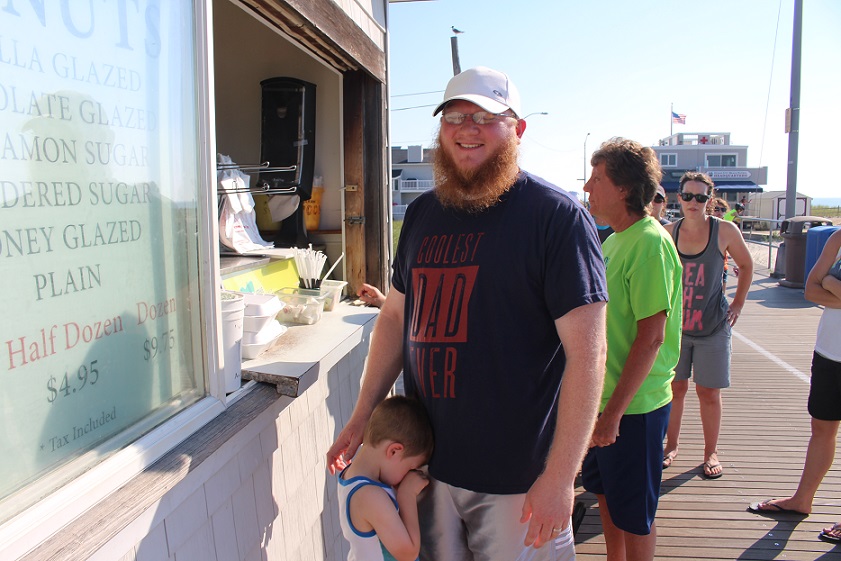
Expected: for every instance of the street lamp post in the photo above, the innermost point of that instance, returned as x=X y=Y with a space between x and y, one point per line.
x=454 y=49
x=584 y=177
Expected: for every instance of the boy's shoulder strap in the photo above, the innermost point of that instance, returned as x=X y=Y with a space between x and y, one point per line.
x=358 y=483
x=355 y=484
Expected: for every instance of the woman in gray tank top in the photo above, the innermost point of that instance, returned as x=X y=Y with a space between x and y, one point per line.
x=702 y=242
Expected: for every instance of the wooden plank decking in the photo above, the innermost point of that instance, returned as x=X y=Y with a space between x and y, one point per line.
x=765 y=430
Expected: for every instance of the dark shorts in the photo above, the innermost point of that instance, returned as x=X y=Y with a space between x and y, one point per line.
x=825 y=390
x=629 y=471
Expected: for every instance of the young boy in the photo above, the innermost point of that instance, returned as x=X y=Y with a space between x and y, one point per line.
x=378 y=491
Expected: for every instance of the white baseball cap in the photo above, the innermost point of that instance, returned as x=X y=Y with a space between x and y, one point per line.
x=660 y=191
x=490 y=89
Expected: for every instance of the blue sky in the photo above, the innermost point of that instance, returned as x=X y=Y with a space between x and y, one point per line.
x=614 y=68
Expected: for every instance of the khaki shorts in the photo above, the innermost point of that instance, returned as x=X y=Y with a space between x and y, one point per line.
x=457 y=524
x=707 y=359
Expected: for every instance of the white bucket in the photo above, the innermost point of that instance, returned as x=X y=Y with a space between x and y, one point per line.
x=233 y=311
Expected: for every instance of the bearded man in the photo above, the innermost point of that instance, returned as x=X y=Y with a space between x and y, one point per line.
x=498 y=293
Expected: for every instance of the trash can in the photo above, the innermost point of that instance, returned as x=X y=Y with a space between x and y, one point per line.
x=815 y=241
x=794 y=231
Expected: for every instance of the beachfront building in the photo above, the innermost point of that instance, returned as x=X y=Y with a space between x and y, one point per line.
x=411 y=175
x=713 y=154
x=772 y=204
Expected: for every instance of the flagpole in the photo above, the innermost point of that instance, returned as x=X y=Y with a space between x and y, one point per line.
x=671 y=120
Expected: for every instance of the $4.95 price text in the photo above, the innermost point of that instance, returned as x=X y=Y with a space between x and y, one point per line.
x=86 y=375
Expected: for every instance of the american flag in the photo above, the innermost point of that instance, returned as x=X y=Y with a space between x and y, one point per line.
x=678 y=118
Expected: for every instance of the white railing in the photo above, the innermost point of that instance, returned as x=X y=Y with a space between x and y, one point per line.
x=398 y=210
x=764 y=232
x=416 y=184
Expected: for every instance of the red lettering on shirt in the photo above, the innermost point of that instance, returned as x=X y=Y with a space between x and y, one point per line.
x=693 y=276
x=440 y=304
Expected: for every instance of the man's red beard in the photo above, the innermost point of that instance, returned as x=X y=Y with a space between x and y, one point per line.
x=477 y=189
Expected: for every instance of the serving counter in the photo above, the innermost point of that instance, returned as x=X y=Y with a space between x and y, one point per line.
x=293 y=362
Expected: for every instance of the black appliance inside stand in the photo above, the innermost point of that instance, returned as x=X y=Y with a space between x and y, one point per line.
x=288 y=139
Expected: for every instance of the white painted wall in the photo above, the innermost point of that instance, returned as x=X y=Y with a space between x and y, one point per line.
x=263 y=495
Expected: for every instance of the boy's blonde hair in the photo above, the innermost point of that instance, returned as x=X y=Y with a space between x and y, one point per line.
x=404 y=420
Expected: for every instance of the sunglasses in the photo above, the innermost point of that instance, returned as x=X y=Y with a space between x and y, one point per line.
x=479 y=117
x=659 y=199
x=700 y=197
x=720 y=209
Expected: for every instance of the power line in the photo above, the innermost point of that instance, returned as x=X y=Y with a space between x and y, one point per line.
x=419 y=93
x=770 y=82
x=415 y=107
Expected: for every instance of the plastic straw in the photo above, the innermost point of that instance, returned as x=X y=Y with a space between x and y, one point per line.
x=327 y=274
x=309 y=263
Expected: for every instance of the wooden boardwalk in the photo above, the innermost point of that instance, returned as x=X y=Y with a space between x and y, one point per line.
x=765 y=431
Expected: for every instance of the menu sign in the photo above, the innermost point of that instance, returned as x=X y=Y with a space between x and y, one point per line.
x=98 y=249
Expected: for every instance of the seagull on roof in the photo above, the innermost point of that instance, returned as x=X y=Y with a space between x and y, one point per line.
x=456 y=31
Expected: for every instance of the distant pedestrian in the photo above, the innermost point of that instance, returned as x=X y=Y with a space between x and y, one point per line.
x=734 y=214
x=702 y=241
x=717 y=207
x=823 y=287
x=658 y=205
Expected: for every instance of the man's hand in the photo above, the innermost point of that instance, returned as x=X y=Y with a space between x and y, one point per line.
x=547 y=509
x=339 y=455
x=606 y=431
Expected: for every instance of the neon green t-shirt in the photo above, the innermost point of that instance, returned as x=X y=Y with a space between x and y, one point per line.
x=643 y=278
x=730 y=215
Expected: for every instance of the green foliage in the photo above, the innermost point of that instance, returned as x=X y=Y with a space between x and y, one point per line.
x=826 y=211
x=396 y=226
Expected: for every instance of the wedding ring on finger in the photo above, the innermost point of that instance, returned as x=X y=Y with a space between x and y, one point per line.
x=557 y=530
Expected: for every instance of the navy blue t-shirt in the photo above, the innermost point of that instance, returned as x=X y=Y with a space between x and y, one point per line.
x=482 y=291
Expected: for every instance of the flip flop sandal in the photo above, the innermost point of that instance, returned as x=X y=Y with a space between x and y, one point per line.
x=767 y=507
x=578 y=516
x=831 y=534
x=668 y=459
x=707 y=470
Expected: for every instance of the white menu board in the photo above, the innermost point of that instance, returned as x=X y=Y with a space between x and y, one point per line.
x=98 y=228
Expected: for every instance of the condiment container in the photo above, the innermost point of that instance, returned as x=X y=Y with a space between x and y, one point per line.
x=298 y=307
x=331 y=291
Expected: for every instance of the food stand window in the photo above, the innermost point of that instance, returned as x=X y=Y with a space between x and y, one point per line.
x=101 y=337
